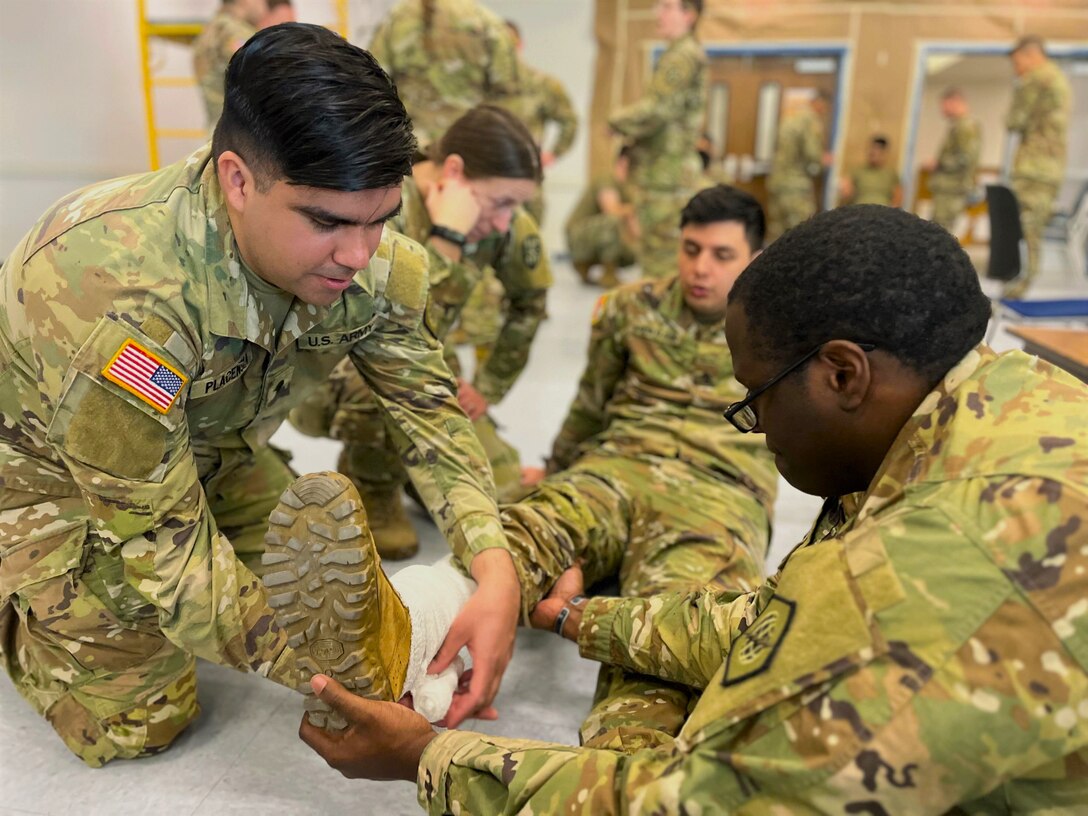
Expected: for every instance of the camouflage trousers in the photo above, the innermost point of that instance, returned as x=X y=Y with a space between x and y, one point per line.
x=599 y=239
x=82 y=646
x=658 y=214
x=947 y=208
x=788 y=208
x=346 y=410
x=1036 y=200
x=657 y=525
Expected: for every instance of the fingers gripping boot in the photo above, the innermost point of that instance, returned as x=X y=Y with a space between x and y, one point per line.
x=327 y=588
x=394 y=535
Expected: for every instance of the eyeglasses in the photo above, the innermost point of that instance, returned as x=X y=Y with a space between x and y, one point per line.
x=742 y=415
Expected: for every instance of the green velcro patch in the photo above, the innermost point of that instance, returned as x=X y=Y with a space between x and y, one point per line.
x=532 y=250
x=753 y=652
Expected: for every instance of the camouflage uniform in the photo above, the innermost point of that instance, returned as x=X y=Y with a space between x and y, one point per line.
x=468 y=57
x=874 y=185
x=212 y=49
x=543 y=99
x=923 y=651
x=648 y=483
x=798 y=158
x=954 y=178
x=662 y=129
x=595 y=237
x=345 y=408
x=1040 y=115
x=132 y=519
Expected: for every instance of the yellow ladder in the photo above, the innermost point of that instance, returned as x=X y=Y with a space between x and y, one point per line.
x=184 y=33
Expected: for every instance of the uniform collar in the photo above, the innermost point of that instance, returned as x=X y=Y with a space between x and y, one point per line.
x=235 y=307
x=922 y=436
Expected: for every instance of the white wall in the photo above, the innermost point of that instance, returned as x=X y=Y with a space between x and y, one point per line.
x=71 y=95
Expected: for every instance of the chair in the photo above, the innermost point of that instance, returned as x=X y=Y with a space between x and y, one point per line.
x=1007 y=247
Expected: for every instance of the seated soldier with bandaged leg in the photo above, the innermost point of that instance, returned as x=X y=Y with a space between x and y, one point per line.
x=921 y=651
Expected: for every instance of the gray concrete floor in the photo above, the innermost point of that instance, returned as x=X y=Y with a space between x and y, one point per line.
x=243 y=755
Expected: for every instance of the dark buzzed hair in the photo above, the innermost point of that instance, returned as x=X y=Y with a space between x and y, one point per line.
x=869 y=274
x=725 y=203
x=880 y=141
x=1029 y=41
x=952 y=93
x=305 y=106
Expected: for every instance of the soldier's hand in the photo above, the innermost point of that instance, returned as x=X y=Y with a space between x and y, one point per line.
x=487 y=625
x=570 y=583
x=547 y=159
x=451 y=203
x=382 y=740
x=472 y=401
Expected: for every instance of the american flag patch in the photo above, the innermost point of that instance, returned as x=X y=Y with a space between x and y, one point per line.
x=140 y=372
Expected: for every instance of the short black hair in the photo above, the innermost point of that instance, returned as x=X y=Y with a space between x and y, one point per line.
x=880 y=141
x=304 y=105
x=1029 y=41
x=952 y=93
x=725 y=203
x=869 y=274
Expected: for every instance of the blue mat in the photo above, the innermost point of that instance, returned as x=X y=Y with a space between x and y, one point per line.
x=1048 y=308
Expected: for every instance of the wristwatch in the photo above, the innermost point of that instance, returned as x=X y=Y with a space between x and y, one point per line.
x=447 y=234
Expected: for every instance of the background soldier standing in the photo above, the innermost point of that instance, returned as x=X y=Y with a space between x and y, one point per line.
x=662 y=129
x=952 y=173
x=234 y=23
x=799 y=158
x=446 y=57
x=1040 y=116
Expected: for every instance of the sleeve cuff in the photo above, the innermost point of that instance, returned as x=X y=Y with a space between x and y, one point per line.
x=474 y=534
x=595 y=630
x=436 y=759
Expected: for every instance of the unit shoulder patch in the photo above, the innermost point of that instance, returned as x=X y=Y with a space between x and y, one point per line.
x=753 y=652
x=531 y=251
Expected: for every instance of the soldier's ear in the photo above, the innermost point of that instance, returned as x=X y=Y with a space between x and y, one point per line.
x=453 y=167
x=235 y=178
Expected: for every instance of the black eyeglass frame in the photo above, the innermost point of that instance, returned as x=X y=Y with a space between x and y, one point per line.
x=730 y=413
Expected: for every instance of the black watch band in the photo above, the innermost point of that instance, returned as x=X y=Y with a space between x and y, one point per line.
x=446 y=234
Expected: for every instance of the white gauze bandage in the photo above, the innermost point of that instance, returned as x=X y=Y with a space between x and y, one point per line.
x=434 y=596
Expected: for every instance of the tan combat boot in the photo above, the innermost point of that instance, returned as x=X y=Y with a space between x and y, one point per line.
x=609 y=278
x=393 y=532
x=326 y=585
x=582 y=269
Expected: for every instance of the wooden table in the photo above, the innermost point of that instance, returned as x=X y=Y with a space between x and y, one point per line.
x=1065 y=348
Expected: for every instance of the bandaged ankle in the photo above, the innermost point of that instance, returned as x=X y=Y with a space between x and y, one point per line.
x=434 y=596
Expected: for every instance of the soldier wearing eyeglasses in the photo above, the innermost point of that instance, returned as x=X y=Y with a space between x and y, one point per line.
x=922 y=650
